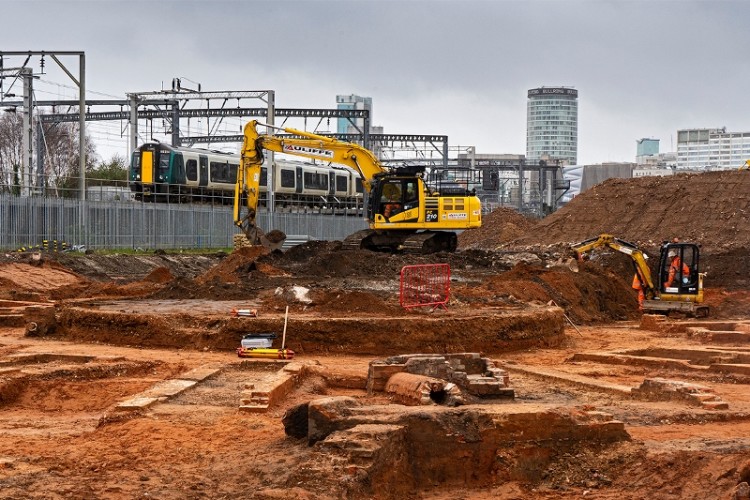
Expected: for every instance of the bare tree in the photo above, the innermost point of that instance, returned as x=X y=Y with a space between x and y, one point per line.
x=11 y=146
x=62 y=169
x=61 y=153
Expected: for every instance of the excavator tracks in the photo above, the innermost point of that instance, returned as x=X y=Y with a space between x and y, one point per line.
x=415 y=243
x=430 y=242
x=357 y=240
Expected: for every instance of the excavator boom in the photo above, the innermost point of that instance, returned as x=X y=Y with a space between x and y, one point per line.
x=314 y=146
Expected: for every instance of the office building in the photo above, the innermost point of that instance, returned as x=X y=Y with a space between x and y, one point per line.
x=712 y=149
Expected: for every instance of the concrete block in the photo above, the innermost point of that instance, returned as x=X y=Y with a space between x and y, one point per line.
x=169 y=388
x=137 y=403
x=715 y=405
x=201 y=373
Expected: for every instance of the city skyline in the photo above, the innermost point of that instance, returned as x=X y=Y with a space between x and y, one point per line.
x=639 y=66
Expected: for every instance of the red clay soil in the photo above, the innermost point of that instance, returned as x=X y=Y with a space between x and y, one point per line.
x=230 y=270
x=591 y=295
x=56 y=444
x=711 y=209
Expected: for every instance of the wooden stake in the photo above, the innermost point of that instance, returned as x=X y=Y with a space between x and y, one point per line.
x=283 y=337
x=566 y=317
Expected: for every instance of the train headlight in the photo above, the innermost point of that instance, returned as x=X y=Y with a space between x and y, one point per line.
x=138 y=177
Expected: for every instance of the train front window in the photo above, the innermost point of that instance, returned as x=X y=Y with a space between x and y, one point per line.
x=164 y=162
x=135 y=164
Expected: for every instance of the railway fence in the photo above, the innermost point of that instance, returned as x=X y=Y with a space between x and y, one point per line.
x=27 y=221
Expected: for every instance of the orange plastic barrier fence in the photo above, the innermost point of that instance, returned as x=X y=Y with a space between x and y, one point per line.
x=425 y=285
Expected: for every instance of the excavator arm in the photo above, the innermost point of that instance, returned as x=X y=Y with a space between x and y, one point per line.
x=247 y=190
x=306 y=144
x=313 y=146
x=622 y=246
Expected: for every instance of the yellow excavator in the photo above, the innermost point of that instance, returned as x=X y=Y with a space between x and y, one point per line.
x=679 y=285
x=745 y=166
x=404 y=214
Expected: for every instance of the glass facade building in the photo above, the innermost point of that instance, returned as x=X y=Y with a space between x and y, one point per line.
x=343 y=125
x=647 y=147
x=552 y=125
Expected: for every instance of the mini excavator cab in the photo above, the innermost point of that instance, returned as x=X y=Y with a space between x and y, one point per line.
x=678 y=270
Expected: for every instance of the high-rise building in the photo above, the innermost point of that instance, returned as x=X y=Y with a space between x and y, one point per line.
x=712 y=149
x=344 y=126
x=552 y=125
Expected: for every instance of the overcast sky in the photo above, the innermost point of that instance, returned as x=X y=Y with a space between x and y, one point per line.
x=460 y=68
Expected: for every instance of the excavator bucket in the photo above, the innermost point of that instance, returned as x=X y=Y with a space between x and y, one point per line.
x=273 y=240
x=569 y=262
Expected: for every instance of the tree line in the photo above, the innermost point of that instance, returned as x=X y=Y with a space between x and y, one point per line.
x=61 y=159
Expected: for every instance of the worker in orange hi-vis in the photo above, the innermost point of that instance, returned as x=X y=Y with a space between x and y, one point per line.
x=638 y=286
x=392 y=205
x=674 y=269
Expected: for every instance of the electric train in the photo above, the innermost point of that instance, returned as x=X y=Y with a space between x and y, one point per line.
x=163 y=173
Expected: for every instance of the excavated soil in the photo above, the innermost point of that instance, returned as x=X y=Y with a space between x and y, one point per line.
x=109 y=327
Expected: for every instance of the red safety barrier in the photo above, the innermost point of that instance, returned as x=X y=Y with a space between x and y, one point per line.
x=425 y=285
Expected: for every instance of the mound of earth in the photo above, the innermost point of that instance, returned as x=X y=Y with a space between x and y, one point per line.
x=591 y=295
x=231 y=270
x=712 y=209
x=500 y=226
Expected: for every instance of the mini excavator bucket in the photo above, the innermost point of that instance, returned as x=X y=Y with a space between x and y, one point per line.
x=572 y=264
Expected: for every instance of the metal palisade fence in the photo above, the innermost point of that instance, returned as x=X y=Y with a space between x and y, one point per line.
x=91 y=224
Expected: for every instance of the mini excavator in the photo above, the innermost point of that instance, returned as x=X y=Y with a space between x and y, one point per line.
x=678 y=288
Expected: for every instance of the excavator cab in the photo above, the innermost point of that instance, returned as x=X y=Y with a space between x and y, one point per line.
x=392 y=196
x=678 y=270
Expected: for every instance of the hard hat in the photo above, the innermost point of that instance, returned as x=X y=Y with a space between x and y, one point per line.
x=672 y=253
